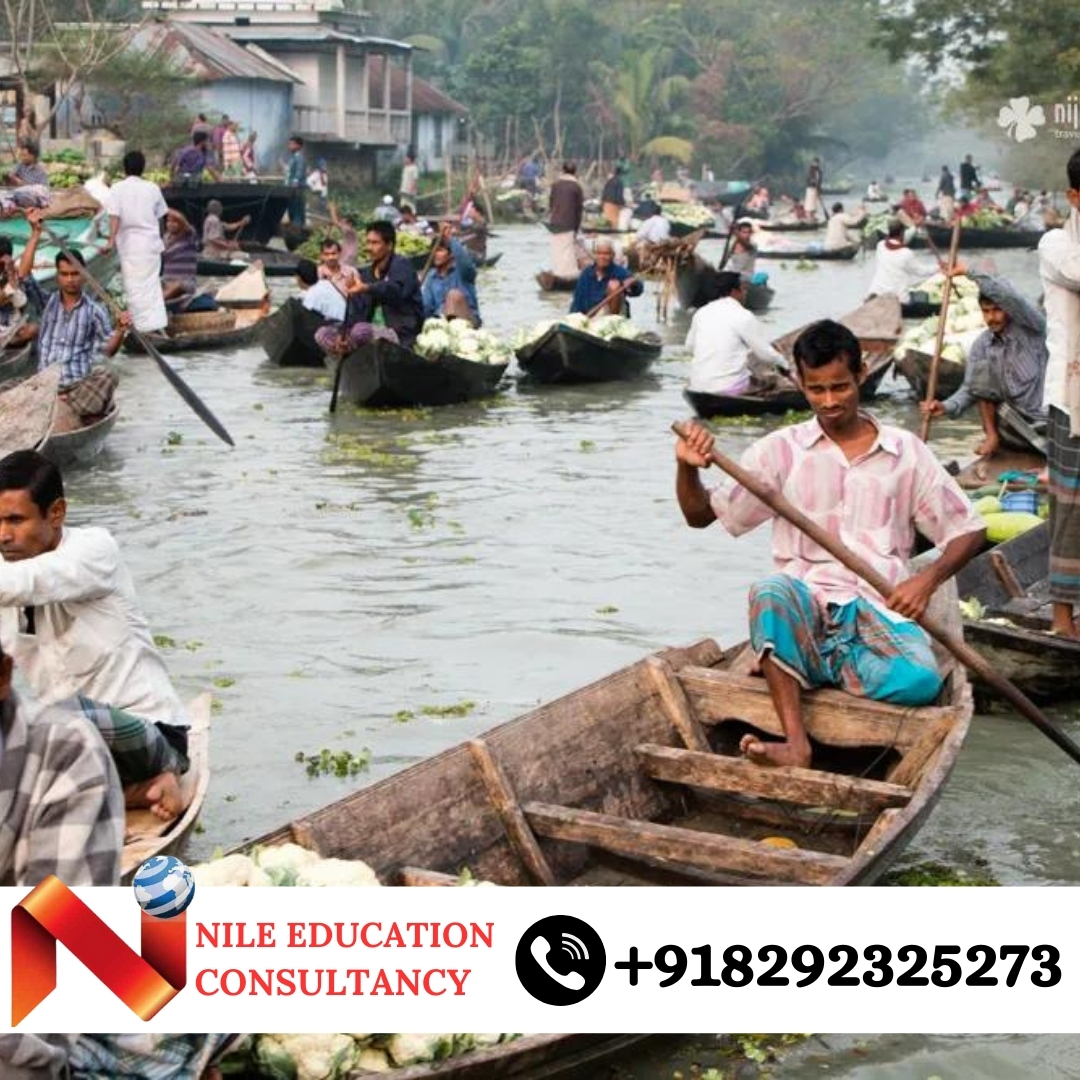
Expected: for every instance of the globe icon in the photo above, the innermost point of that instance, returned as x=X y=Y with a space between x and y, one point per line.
x=164 y=886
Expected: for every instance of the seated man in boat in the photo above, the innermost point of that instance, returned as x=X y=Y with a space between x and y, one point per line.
x=331 y=267
x=1005 y=370
x=814 y=622
x=179 y=261
x=411 y=224
x=21 y=297
x=70 y=619
x=320 y=294
x=911 y=210
x=840 y=230
x=73 y=329
x=449 y=290
x=874 y=192
x=64 y=811
x=655 y=228
x=897 y=267
x=726 y=340
x=742 y=258
x=384 y=303
x=215 y=239
x=605 y=282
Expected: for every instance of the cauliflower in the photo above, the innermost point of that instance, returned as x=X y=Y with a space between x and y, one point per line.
x=409 y=1049
x=230 y=870
x=312 y=1057
x=327 y=872
x=284 y=857
x=371 y=1059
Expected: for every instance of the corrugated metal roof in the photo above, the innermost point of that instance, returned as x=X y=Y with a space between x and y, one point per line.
x=314 y=34
x=425 y=97
x=208 y=55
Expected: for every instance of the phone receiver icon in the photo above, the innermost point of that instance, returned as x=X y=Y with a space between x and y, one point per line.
x=540 y=948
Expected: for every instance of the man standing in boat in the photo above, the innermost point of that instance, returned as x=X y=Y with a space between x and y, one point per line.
x=567 y=203
x=812 y=195
x=604 y=281
x=813 y=622
x=725 y=339
x=70 y=619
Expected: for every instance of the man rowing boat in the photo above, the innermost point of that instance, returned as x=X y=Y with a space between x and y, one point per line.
x=814 y=622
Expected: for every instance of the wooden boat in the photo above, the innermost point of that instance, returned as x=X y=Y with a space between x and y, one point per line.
x=876 y=324
x=383 y=375
x=275 y=263
x=566 y=355
x=1005 y=236
x=288 y=336
x=17 y=363
x=816 y=253
x=696 y=285
x=489 y=261
x=145 y=834
x=914 y=366
x=550 y=282
x=188 y=331
x=79 y=447
x=917 y=306
x=982 y=472
x=27 y=409
x=637 y=779
x=265 y=204
x=1010 y=582
x=784 y=225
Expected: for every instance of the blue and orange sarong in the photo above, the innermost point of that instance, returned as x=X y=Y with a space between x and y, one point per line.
x=852 y=645
x=1064 y=461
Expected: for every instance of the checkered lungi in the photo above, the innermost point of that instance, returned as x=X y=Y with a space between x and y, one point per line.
x=141 y=749
x=329 y=337
x=852 y=645
x=146 y=1056
x=1064 y=461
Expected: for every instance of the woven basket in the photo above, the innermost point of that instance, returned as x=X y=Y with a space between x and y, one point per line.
x=190 y=322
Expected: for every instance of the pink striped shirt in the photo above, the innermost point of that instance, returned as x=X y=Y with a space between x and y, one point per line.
x=874 y=504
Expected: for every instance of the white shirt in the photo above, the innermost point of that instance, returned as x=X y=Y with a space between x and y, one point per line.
x=140 y=206
x=724 y=335
x=325 y=298
x=836 y=231
x=896 y=270
x=1059 y=254
x=90 y=637
x=654 y=230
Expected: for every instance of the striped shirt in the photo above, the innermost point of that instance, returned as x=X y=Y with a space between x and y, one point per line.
x=873 y=505
x=72 y=337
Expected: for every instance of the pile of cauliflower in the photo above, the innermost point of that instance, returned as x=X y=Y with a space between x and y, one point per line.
x=455 y=337
x=333 y=1057
x=963 y=324
x=285 y=864
x=603 y=326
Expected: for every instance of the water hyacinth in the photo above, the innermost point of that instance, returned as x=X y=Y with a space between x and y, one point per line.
x=453 y=337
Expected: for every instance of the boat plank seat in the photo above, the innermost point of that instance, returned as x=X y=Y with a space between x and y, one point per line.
x=706 y=850
x=831 y=716
x=805 y=787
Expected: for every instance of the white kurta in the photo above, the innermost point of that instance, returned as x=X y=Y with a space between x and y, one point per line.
x=140 y=206
x=724 y=336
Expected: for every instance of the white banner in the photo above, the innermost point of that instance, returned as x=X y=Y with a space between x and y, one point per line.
x=455 y=959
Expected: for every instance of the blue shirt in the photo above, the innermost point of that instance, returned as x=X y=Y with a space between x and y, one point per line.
x=590 y=289
x=72 y=338
x=462 y=276
x=297 y=174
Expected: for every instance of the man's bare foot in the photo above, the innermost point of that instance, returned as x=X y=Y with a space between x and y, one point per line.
x=1065 y=629
x=161 y=794
x=775 y=753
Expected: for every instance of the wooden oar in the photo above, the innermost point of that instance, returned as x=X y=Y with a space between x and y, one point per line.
x=937 y=255
x=939 y=341
x=193 y=400
x=957 y=646
x=623 y=286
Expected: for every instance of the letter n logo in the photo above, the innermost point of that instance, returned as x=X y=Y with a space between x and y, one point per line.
x=52 y=913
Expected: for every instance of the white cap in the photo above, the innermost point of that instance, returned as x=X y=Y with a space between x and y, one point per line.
x=388 y=199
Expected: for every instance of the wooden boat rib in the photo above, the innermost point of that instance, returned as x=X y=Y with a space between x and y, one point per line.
x=382 y=375
x=875 y=323
x=843 y=253
x=636 y=779
x=147 y=835
x=223 y=329
x=288 y=336
x=1010 y=582
x=79 y=447
x=566 y=355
